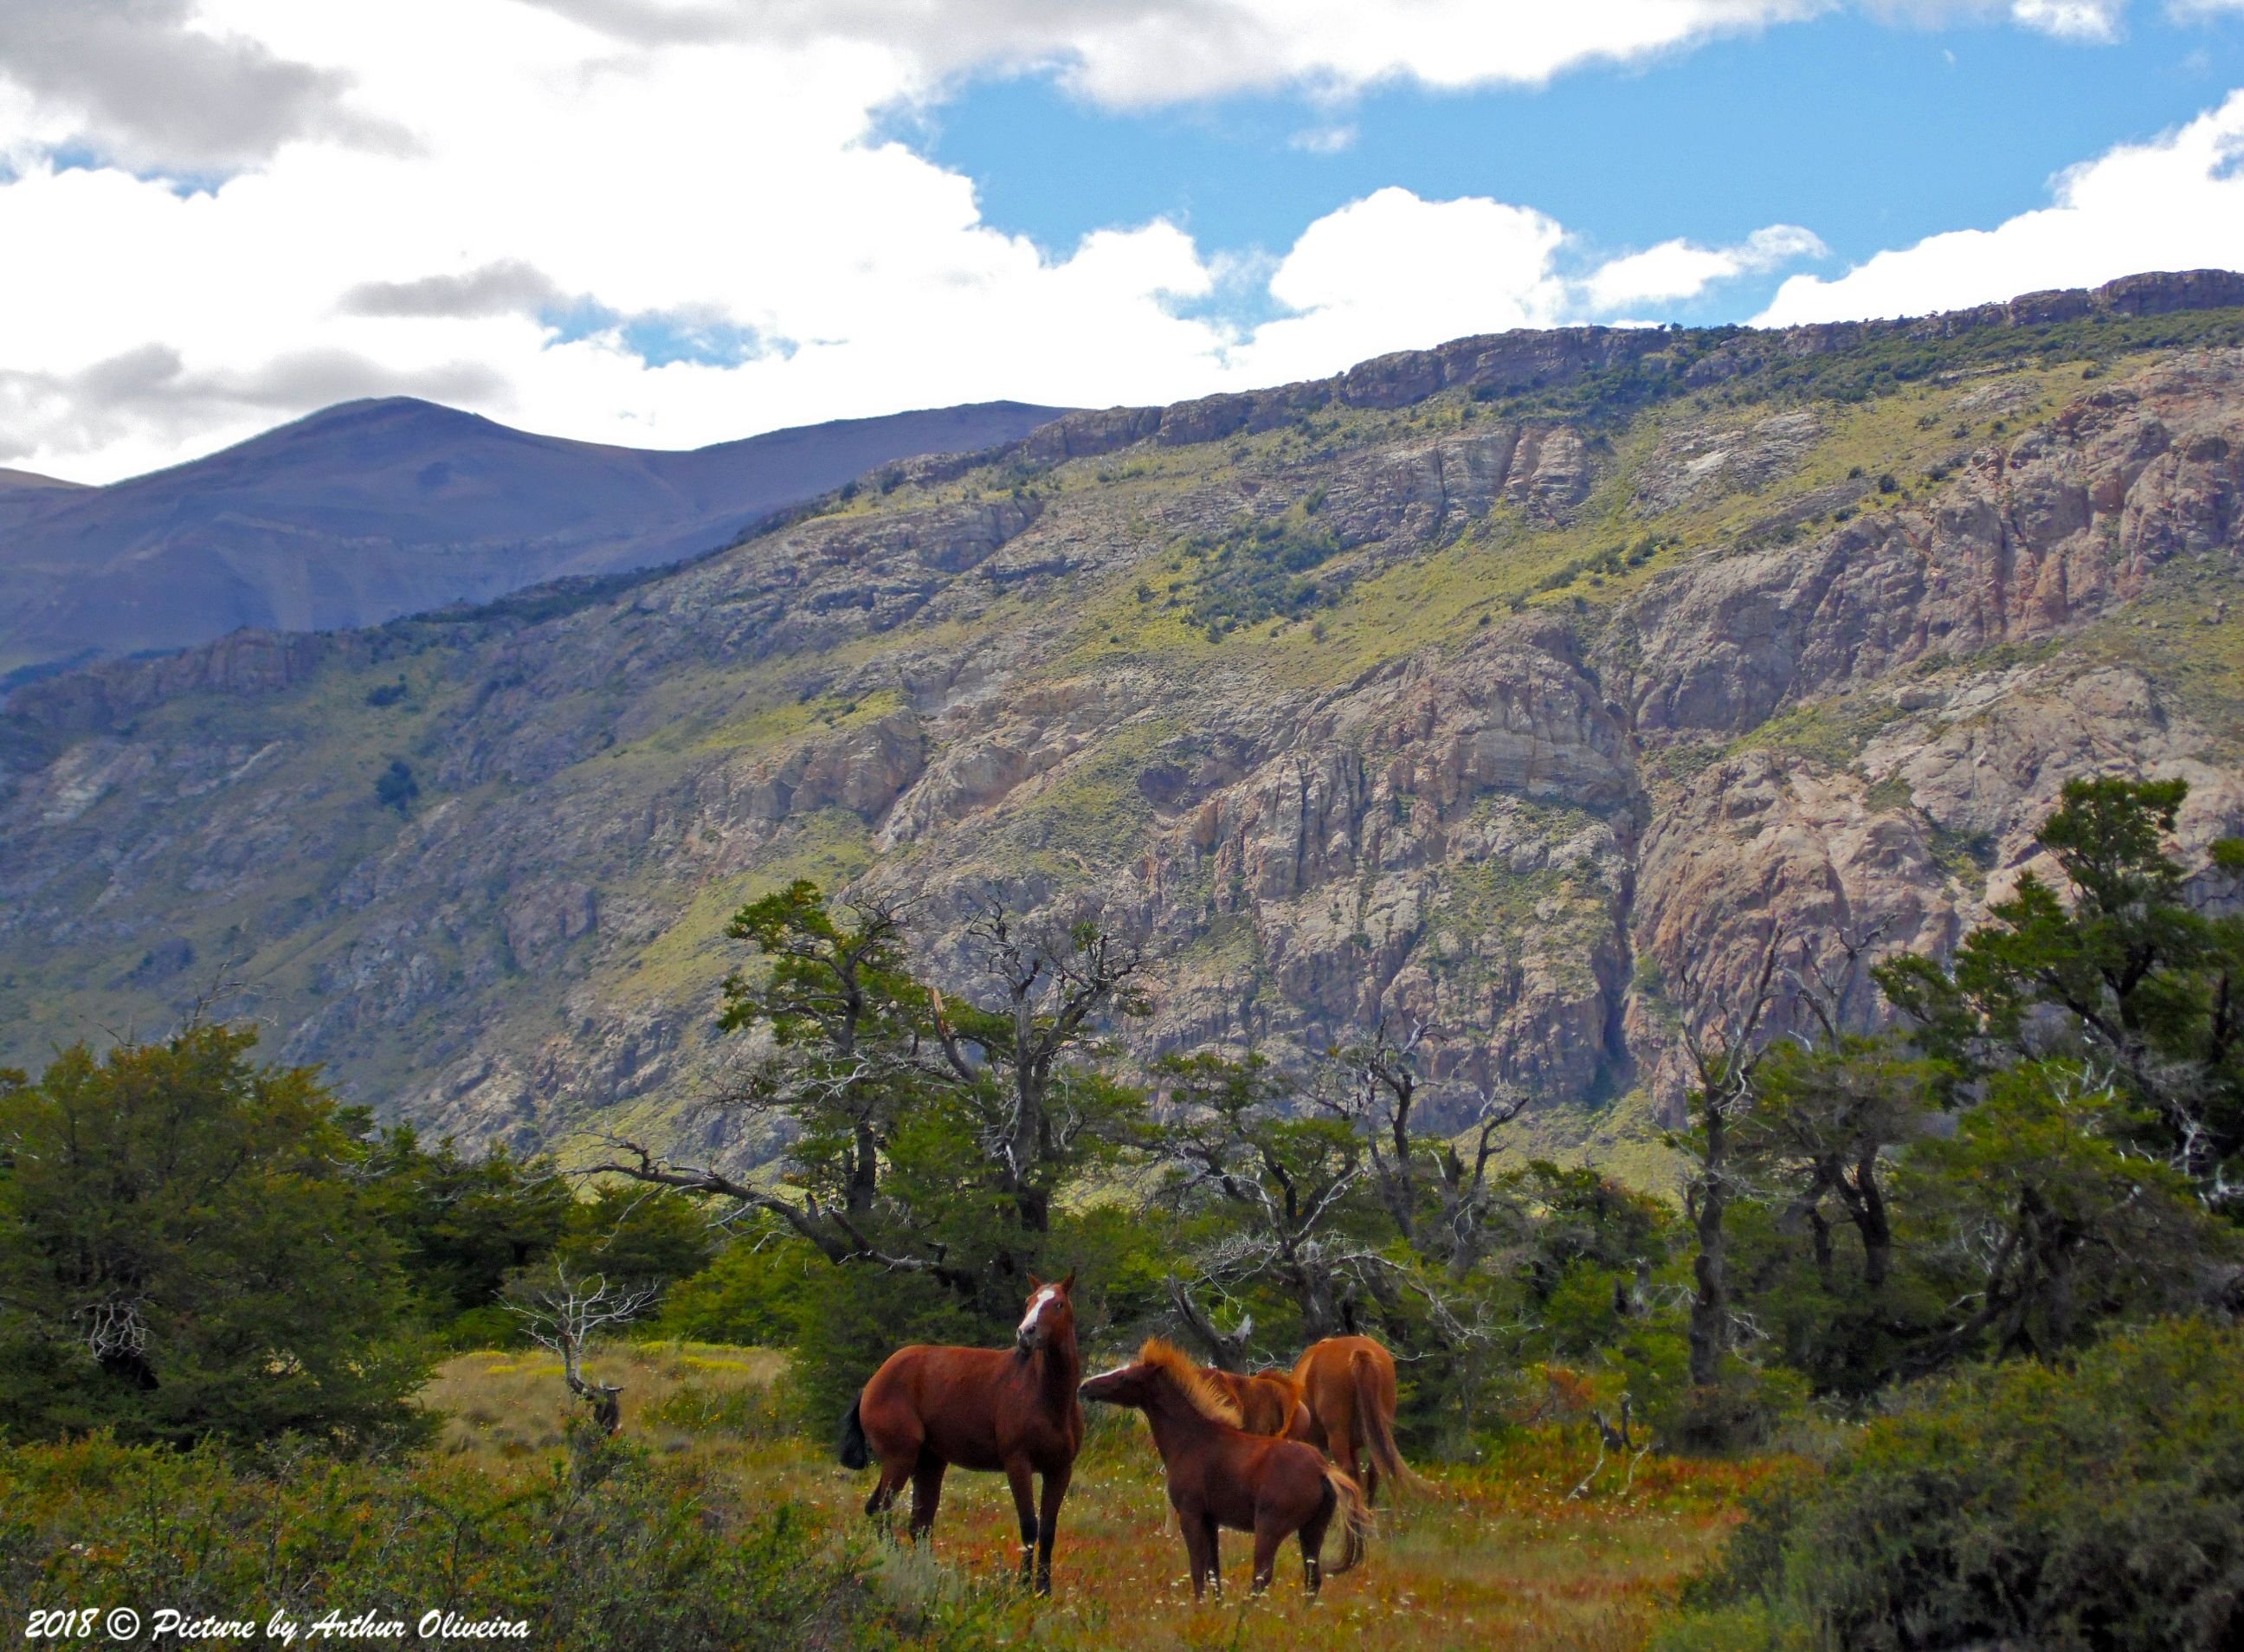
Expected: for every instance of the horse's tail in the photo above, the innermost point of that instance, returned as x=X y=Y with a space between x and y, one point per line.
x=1354 y=1519
x=855 y=1452
x=1377 y=1427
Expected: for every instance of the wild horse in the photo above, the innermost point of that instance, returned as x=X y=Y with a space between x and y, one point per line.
x=1269 y=1401
x=1348 y=1387
x=1220 y=1475
x=1012 y=1409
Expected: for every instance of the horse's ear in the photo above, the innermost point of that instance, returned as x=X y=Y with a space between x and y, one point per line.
x=1035 y=1284
x=1067 y=1285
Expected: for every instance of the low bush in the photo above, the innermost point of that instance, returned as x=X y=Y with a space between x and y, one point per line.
x=610 y=1549
x=2098 y=1506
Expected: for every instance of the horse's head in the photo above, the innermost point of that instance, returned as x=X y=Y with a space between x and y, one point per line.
x=1124 y=1385
x=1163 y=1374
x=1050 y=1315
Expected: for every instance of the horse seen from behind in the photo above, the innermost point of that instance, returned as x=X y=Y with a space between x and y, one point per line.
x=1220 y=1475
x=1347 y=1389
x=1013 y=1411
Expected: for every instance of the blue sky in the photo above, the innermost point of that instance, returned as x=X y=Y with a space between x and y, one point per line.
x=1873 y=135
x=673 y=222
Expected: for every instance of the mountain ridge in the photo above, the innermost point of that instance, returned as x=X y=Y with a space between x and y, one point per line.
x=1527 y=712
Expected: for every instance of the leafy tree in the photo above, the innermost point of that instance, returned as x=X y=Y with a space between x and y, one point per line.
x=188 y=1248
x=755 y=1291
x=2039 y=1222
x=845 y=1017
x=462 y=1225
x=638 y=1237
x=929 y=1136
x=2125 y=968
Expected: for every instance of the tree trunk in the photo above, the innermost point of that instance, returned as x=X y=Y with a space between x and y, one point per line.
x=864 y=1170
x=1875 y=1222
x=1710 y=1307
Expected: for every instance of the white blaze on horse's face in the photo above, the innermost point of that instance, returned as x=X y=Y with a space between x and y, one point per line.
x=1031 y=1333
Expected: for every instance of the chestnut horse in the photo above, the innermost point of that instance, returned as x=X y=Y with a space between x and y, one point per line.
x=1269 y=1401
x=1220 y=1475
x=1012 y=1409
x=1347 y=1389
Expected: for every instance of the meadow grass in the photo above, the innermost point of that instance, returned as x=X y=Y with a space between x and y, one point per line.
x=1496 y=1554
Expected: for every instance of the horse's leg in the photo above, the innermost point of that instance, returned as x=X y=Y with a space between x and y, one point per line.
x=1342 y=1449
x=895 y=1470
x=1055 y=1483
x=1312 y=1547
x=1021 y=1478
x=896 y=1441
x=1195 y=1562
x=1269 y=1533
x=927 y=1492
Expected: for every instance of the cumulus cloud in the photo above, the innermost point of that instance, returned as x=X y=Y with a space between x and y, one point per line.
x=142 y=82
x=1682 y=270
x=507 y=287
x=668 y=222
x=2177 y=203
x=1138 y=52
x=2095 y=21
x=1393 y=272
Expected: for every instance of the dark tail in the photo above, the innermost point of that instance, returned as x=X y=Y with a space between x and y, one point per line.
x=1354 y=1519
x=855 y=1452
x=1371 y=1420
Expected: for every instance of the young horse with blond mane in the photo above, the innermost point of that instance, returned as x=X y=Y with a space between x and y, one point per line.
x=1220 y=1475
x=1013 y=1408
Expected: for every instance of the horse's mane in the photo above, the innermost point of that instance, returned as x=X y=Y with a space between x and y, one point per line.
x=1202 y=1395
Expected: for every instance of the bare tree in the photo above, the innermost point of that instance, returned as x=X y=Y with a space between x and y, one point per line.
x=1230 y=1141
x=563 y=1314
x=1724 y=1065
x=831 y=1229
x=1226 y=1350
x=1379 y=1091
x=1055 y=990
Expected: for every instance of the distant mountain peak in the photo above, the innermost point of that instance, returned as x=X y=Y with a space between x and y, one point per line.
x=389 y=506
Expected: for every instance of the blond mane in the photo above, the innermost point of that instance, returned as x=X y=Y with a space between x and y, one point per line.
x=1203 y=1395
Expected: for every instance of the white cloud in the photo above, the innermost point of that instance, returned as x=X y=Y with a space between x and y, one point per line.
x=1392 y=272
x=2177 y=203
x=1139 y=53
x=2094 y=21
x=1681 y=269
x=1324 y=140
x=668 y=222
x=572 y=210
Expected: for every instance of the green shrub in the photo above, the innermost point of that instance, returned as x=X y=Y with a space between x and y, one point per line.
x=2098 y=1506
x=612 y=1549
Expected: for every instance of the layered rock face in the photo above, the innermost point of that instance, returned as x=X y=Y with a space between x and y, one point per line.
x=1568 y=715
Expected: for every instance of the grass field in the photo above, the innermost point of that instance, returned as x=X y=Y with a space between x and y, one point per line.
x=1498 y=1556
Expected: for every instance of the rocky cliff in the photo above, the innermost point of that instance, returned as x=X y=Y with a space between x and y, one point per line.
x=1526 y=687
